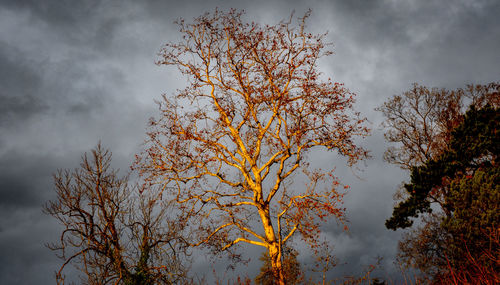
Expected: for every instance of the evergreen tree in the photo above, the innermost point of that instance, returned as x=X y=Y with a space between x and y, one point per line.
x=474 y=145
x=462 y=241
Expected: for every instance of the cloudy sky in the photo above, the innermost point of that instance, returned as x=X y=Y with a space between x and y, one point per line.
x=76 y=72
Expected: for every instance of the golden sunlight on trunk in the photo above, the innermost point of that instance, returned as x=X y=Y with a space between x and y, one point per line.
x=273 y=247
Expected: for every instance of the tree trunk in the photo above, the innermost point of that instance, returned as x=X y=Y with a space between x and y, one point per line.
x=277 y=266
x=273 y=247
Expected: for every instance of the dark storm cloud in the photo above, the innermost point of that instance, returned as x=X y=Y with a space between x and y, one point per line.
x=63 y=14
x=26 y=178
x=415 y=41
x=30 y=88
x=80 y=22
x=16 y=190
x=46 y=82
x=25 y=184
x=75 y=72
x=54 y=104
x=19 y=83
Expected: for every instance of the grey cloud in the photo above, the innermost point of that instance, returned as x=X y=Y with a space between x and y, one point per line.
x=60 y=13
x=16 y=191
x=24 y=179
x=24 y=230
x=20 y=81
x=73 y=20
x=31 y=89
x=24 y=258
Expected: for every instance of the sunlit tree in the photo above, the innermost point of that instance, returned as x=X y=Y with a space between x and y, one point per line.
x=228 y=145
x=291 y=267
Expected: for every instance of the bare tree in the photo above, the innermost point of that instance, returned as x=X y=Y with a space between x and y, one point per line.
x=112 y=233
x=227 y=146
x=420 y=121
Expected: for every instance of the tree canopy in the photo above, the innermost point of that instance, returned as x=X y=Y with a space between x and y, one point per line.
x=113 y=234
x=227 y=146
x=420 y=120
x=452 y=156
x=473 y=145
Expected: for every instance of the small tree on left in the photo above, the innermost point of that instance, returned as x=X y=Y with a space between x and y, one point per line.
x=112 y=233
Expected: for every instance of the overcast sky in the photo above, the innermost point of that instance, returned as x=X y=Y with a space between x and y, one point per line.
x=76 y=72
